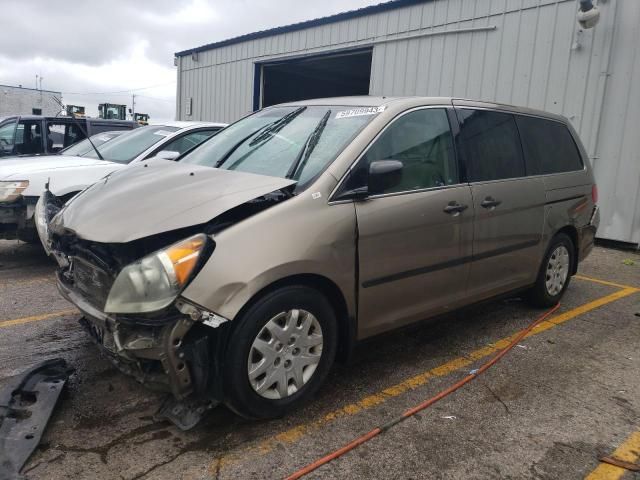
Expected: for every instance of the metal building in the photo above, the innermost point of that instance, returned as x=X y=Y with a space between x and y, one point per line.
x=28 y=101
x=525 y=52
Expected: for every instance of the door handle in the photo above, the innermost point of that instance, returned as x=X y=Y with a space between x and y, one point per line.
x=490 y=202
x=455 y=208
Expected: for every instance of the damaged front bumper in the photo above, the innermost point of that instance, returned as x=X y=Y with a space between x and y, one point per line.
x=174 y=353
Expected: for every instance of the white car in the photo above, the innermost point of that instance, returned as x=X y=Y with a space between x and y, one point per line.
x=23 y=179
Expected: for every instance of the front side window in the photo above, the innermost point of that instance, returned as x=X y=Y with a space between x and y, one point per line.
x=490 y=144
x=287 y=142
x=131 y=144
x=422 y=141
x=7 y=132
x=548 y=146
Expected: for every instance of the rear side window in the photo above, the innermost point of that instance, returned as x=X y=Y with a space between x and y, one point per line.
x=61 y=135
x=548 y=146
x=29 y=138
x=490 y=144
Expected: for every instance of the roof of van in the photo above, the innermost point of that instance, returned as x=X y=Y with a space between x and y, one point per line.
x=376 y=101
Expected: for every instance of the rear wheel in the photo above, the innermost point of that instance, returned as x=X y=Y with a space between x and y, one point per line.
x=555 y=272
x=280 y=353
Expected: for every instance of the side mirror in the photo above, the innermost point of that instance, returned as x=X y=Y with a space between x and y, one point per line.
x=383 y=175
x=167 y=154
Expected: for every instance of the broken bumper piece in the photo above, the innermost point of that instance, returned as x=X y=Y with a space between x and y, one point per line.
x=26 y=405
x=170 y=354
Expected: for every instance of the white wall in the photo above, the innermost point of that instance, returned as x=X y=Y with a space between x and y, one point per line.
x=523 y=52
x=21 y=101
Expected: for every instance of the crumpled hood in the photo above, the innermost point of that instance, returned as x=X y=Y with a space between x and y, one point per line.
x=18 y=167
x=158 y=196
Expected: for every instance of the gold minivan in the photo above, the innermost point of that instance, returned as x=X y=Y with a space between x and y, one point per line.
x=241 y=272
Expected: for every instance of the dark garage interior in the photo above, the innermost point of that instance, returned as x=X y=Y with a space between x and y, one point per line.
x=316 y=77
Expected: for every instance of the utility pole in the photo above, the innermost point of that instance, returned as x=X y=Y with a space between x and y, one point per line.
x=133 y=106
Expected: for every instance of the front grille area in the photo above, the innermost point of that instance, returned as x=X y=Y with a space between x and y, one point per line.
x=91 y=282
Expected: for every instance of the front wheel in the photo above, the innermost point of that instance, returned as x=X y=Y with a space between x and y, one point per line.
x=555 y=272
x=280 y=353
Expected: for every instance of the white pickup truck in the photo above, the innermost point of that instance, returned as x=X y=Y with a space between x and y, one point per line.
x=23 y=179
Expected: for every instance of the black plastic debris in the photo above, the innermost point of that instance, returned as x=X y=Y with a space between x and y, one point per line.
x=26 y=405
x=184 y=414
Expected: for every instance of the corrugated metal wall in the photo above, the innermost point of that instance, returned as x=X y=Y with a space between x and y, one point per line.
x=524 y=52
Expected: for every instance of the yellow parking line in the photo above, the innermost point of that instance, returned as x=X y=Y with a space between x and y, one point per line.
x=36 y=318
x=629 y=451
x=293 y=434
x=603 y=282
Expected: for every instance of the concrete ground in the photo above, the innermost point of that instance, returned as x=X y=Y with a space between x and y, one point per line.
x=564 y=397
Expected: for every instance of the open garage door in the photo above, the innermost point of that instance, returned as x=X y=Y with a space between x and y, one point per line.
x=329 y=75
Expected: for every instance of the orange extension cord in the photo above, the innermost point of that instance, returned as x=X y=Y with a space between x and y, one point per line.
x=427 y=403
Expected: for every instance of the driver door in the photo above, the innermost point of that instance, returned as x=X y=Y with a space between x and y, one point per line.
x=415 y=239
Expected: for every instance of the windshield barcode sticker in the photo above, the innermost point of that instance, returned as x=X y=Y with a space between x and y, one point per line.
x=162 y=133
x=356 y=112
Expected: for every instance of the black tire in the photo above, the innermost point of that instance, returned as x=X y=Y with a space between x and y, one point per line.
x=239 y=394
x=538 y=295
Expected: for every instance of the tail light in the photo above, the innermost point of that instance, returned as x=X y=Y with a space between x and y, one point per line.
x=594 y=193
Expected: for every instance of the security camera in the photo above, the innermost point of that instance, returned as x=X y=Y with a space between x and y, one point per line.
x=588 y=15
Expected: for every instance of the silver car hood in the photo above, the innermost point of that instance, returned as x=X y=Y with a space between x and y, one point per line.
x=158 y=196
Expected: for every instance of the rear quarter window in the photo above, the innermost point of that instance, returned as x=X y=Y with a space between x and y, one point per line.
x=548 y=146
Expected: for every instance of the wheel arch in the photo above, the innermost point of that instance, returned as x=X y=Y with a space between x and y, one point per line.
x=572 y=233
x=346 y=325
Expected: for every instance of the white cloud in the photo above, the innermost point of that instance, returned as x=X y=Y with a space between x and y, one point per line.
x=107 y=46
x=197 y=12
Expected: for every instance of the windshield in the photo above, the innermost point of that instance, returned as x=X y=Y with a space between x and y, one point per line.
x=287 y=142
x=127 y=147
x=83 y=147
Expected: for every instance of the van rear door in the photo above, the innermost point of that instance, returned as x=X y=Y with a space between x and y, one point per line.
x=508 y=205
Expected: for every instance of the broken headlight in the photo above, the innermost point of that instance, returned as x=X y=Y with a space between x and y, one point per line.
x=153 y=282
x=10 y=191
